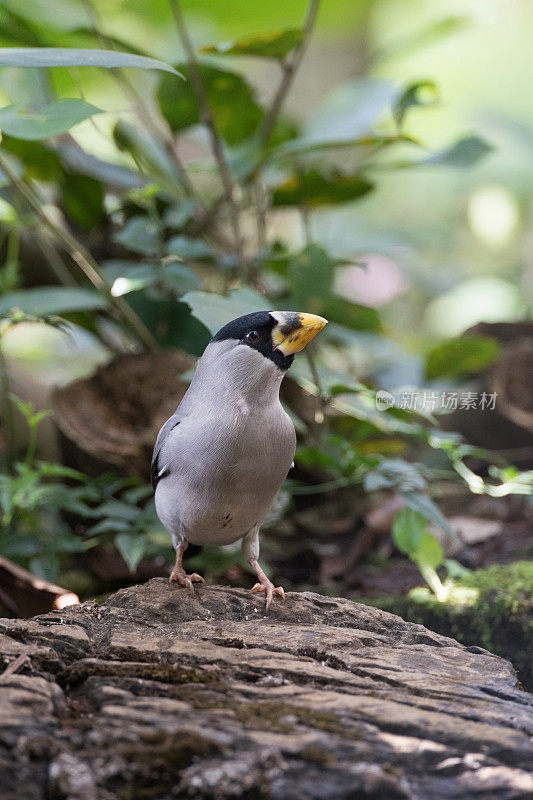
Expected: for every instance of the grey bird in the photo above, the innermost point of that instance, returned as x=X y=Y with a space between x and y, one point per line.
x=221 y=458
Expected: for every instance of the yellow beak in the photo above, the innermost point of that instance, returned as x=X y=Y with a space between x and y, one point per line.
x=294 y=330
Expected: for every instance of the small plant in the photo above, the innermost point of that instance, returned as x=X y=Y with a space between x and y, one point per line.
x=411 y=536
x=43 y=504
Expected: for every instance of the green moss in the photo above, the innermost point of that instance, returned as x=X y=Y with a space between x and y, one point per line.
x=167 y=673
x=491 y=608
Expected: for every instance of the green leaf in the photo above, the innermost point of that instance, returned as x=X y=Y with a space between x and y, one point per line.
x=129 y=276
x=233 y=104
x=179 y=216
x=61 y=15
x=45 y=566
x=466 y=355
x=425 y=36
x=312 y=188
x=429 y=552
x=310 y=276
x=186 y=248
x=28 y=87
x=140 y=234
x=171 y=321
x=52 y=120
x=351 y=315
x=214 y=311
x=464 y=153
x=350 y=111
x=408 y=528
x=77 y=57
x=421 y=93
x=82 y=199
x=109 y=526
x=144 y=148
x=425 y=505
x=131 y=547
x=299 y=147
x=77 y=160
x=117 y=509
x=40 y=163
x=52 y=300
x=273 y=44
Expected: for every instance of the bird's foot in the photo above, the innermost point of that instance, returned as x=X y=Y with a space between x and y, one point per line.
x=178 y=575
x=269 y=589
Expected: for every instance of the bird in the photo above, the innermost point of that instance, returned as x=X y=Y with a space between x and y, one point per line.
x=221 y=458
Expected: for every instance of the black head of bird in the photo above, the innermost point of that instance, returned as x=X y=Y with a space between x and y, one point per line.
x=220 y=460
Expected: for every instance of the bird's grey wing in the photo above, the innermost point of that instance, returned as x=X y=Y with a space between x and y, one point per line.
x=158 y=469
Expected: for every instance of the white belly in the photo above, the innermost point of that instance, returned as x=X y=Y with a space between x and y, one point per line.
x=225 y=479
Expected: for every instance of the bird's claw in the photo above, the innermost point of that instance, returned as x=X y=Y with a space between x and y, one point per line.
x=181 y=577
x=270 y=590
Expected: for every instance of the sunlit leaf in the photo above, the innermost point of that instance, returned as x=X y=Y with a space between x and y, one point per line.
x=429 y=552
x=232 y=100
x=129 y=276
x=272 y=44
x=407 y=529
x=311 y=188
x=466 y=355
x=426 y=506
x=52 y=120
x=77 y=57
x=53 y=300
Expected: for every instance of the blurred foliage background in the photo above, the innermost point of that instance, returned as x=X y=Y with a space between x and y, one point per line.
x=367 y=161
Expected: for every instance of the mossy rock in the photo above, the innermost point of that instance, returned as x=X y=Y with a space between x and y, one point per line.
x=491 y=608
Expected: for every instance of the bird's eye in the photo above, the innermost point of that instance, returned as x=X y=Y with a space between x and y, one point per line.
x=252 y=336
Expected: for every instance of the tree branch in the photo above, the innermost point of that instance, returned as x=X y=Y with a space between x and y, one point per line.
x=79 y=253
x=290 y=68
x=207 y=119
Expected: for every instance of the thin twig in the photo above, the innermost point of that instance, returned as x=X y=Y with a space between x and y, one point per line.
x=79 y=253
x=18 y=661
x=136 y=98
x=290 y=67
x=59 y=269
x=207 y=119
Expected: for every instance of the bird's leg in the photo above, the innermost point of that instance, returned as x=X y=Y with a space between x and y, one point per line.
x=250 y=549
x=264 y=584
x=178 y=574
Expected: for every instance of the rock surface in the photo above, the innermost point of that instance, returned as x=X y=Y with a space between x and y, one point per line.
x=156 y=695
